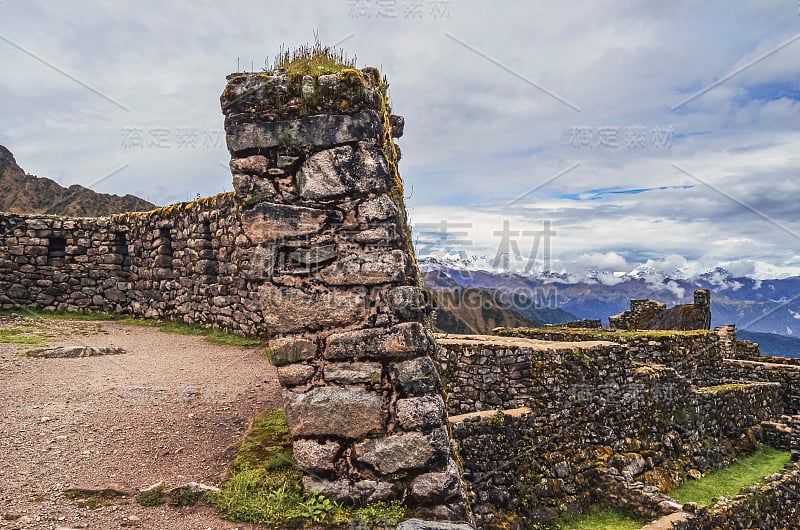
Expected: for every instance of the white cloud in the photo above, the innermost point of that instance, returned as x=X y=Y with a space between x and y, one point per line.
x=477 y=136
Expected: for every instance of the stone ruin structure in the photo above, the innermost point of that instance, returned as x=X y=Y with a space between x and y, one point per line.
x=649 y=314
x=313 y=251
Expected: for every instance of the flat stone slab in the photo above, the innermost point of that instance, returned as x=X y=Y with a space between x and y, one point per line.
x=419 y=524
x=514 y=413
x=68 y=352
x=516 y=342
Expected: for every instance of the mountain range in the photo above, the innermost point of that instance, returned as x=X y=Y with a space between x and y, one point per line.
x=24 y=193
x=755 y=306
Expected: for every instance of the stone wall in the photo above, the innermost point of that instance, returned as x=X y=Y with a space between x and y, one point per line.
x=693 y=354
x=189 y=262
x=312 y=251
x=787 y=375
x=649 y=314
x=583 y=409
x=315 y=169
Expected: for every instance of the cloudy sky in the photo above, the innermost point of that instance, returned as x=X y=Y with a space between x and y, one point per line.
x=658 y=133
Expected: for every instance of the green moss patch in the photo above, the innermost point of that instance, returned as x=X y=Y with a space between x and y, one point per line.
x=264 y=486
x=599 y=518
x=728 y=482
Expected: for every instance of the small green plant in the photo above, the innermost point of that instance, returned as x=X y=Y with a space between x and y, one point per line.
x=315 y=59
x=151 y=497
x=23 y=334
x=318 y=508
x=498 y=421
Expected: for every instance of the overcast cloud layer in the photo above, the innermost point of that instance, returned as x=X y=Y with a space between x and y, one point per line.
x=640 y=130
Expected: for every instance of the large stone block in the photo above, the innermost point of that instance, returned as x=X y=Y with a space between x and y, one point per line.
x=409 y=303
x=419 y=524
x=406 y=451
x=315 y=457
x=295 y=374
x=405 y=340
x=420 y=412
x=283 y=351
x=267 y=222
x=378 y=209
x=344 y=172
x=329 y=411
x=439 y=486
x=318 y=132
x=353 y=373
x=366 y=269
x=358 y=493
x=416 y=376
x=290 y=310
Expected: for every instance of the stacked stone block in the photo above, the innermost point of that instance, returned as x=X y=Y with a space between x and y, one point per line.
x=315 y=169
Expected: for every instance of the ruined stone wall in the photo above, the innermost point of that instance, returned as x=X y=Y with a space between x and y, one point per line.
x=592 y=407
x=693 y=354
x=787 y=375
x=188 y=262
x=315 y=169
x=649 y=314
x=312 y=251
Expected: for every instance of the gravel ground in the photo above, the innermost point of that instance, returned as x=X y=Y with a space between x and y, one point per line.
x=169 y=409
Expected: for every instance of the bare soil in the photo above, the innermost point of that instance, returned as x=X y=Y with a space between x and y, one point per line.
x=170 y=409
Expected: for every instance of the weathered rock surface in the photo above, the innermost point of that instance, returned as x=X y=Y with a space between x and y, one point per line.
x=315 y=457
x=353 y=373
x=359 y=492
x=344 y=171
x=366 y=269
x=419 y=524
x=412 y=450
x=291 y=310
x=417 y=376
x=323 y=131
x=267 y=222
x=329 y=411
x=420 y=412
x=400 y=341
x=438 y=487
x=62 y=352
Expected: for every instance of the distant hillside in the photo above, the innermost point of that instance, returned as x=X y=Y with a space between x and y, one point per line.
x=23 y=193
x=473 y=311
x=772 y=344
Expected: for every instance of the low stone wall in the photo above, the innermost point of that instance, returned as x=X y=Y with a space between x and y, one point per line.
x=693 y=354
x=788 y=375
x=593 y=408
x=772 y=505
x=189 y=262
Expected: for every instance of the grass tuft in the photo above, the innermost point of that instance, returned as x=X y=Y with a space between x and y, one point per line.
x=727 y=482
x=265 y=486
x=313 y=59
x=599 y=518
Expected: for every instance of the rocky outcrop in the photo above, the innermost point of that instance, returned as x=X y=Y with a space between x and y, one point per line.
x=23 y=193
x=649 y=314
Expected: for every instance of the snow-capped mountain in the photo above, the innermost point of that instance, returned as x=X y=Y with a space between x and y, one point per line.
x=766 y=306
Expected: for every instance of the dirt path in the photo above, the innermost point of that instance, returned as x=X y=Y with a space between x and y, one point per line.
x=169 y=409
